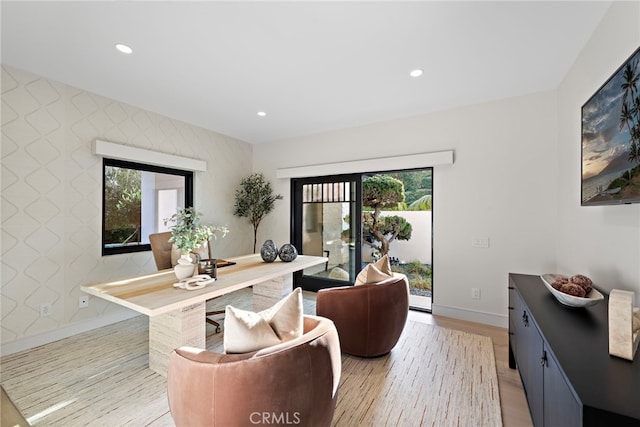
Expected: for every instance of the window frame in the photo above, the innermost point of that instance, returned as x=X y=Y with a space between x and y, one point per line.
x=188 y=198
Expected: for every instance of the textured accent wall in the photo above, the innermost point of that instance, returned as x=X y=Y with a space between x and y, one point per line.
x=52 y=195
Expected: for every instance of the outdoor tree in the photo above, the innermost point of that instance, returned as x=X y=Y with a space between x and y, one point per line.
x=123 y=194
x=424 y=203
x=416 y=183
x=379 y=192
x=254 y=200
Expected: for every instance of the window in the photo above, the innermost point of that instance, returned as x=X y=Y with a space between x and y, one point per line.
x=136 y=199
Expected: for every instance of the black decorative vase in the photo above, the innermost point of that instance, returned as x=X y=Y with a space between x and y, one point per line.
x=288 y=252
x=269 y=251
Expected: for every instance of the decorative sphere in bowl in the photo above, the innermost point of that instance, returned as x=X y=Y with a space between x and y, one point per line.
x=590 y=298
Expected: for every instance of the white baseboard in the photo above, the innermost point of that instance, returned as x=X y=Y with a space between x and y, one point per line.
x=501 y=321
x=32 y=341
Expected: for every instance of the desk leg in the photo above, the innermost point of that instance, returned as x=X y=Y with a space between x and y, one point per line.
x=268 y=293
x=182 y=327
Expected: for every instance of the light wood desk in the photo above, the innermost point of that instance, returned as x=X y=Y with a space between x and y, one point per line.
x=177 y=316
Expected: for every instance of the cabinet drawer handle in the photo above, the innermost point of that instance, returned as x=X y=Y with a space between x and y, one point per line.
x=525 y=319
x=543 y=360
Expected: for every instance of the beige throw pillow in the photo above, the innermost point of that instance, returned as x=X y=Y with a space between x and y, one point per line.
x=246 y=331
x=374 y=273
x=384 y=265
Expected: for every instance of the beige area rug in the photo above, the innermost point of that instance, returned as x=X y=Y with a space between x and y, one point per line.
x=433 y=377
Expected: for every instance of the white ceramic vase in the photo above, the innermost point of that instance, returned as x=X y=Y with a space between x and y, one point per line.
x=184 y=268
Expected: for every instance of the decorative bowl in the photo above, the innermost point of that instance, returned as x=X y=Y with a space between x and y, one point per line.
x=592 y=297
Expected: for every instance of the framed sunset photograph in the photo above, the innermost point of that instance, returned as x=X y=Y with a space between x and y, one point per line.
x=611 y=139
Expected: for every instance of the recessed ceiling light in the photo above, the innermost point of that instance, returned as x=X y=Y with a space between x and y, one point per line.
x=416 y=73
x=262 y=113
x=124 y=48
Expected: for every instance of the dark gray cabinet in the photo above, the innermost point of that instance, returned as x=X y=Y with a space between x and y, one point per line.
x=529 y=349
x=563 y=360
x=561 y=408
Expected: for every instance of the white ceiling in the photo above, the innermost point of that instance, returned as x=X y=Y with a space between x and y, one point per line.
x=311 y=66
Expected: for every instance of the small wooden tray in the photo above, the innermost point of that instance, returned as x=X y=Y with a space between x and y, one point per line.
x=224 y=263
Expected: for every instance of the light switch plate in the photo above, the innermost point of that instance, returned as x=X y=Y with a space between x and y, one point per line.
x=480 y=242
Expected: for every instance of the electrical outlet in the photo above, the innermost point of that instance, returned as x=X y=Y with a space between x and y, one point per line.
x=475 y=293
x=45 y=309
x=83 y=301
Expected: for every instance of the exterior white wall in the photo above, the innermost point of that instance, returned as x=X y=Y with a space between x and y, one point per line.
x=601 y=242
x=500 y=186
x=332 y=226
x=419 y=246
x=52 y=201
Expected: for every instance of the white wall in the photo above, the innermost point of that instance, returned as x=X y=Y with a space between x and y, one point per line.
x=516 y=180
x=51 y=201
x=501 y=186
x=602 y=242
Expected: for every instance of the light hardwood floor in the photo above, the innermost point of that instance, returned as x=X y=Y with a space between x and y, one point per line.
x=47 y=377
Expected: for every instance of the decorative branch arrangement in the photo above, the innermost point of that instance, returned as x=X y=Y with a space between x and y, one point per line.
x=188 y=231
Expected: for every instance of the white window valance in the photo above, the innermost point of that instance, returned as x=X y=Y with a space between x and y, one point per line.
x=112 y=150
x=410 y=161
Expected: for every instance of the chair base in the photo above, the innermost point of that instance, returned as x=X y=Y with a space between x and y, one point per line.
x=213 y=322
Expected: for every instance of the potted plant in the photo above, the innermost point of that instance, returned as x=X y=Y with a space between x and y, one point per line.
x=254 y=200
x=189 y=233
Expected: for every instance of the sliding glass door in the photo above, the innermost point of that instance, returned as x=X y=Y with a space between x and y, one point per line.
x=326 y=223
x=355 y=219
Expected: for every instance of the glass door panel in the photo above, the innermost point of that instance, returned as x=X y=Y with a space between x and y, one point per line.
x=326 y=227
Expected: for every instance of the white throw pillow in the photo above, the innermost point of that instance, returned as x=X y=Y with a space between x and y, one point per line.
x=285 y=317
x=373 y=273
x=246 y=331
